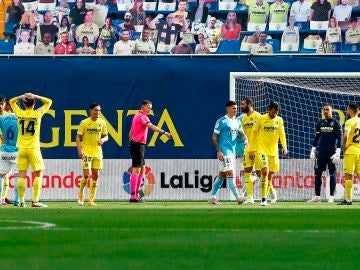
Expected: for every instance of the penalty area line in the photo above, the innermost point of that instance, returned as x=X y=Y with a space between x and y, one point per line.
x=34 y=225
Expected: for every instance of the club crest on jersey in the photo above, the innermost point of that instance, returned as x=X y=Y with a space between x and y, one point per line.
x=332 y=124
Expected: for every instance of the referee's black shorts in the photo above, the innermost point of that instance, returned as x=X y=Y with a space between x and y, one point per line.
x=137 y=153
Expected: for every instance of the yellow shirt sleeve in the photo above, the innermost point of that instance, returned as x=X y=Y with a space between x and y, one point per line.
x=46 y=105
x=282 y=135
x=15 y=107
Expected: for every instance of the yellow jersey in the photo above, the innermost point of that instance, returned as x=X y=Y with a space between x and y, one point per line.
x=29 y=122
x=248 y=123
x=91 y=132
x=352 y=145
x=266 y=134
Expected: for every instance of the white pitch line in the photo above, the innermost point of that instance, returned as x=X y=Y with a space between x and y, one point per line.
x=199 y=230
x=38 y=225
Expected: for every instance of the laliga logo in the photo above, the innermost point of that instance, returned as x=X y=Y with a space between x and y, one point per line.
x=147 y=185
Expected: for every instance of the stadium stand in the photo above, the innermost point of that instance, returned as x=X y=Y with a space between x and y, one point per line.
x=218 y=9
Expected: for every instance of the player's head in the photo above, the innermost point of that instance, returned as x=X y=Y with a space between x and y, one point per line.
x=95 y=110
x=327 y=110
x=352 y=110
x=29 y=102
x=7 y=106
x=2 y=102
x=146 y=106
x=273 y=109
x=231 y=108
x=246 y=105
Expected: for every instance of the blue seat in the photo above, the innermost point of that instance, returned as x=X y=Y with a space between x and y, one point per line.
x=8 y=31
x=275 y=44
x=229 y=46
x=308 y=50
x=6 y=46
x=135 y=35
x=303 y=26
x=337 y=46
x=351 y=48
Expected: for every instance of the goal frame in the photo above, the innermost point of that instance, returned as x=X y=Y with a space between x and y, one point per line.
x=234 y=75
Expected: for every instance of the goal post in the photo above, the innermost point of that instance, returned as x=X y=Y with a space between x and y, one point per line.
x=300 y=97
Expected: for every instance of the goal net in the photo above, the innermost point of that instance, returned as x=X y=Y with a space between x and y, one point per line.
x=300 y=97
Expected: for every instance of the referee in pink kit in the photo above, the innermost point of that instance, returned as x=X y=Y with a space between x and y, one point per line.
x=138 y=135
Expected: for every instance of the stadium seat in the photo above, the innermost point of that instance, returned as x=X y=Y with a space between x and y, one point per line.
x=6 y=46
x=303 y=26
x=351 y=48
x=229 y=46
x=275 y=44
x=337 y=47
x=8 y=31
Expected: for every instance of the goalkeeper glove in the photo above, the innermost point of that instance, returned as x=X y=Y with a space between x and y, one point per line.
x=335 y=158
x=313 y=153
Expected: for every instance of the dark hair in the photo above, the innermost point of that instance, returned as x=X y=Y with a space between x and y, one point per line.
x=29 y=102
x=145 y=102
x=230 y=103
x=273 y=105
x=67 y=24
x=262 y=32
x=93 y=105
x=354 y=107
x=248 y=101
x=2 y=98
x=327 y=104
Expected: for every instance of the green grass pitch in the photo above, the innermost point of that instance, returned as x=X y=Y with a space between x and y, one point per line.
x=180 y=235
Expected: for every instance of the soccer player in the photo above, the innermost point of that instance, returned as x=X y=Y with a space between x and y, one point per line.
x=4 y=199
x=326 y=150
x=352 y=151
x=28 y=142
x=91 y=135
x=138 y=135
x=239 y=151
x=8 y=152
x=269 y=128
x=248 y=122
x=225 y=137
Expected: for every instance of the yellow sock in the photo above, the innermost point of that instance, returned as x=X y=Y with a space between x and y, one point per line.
x=83 y=183
x=249 y=185
x=349 y=189
x=37 y=188
x=6 y=188
x=93 y=189
x=264 y=185
x=270 y=188
x=21 y=189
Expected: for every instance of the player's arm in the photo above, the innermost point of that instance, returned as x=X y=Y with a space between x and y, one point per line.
x=244 y=138
x=315 y=141
x=347 y=130
x=78 y=146
x=104 y=136
x=339 y=136
x=254 y=140
x=215 y=139
x=157 y=129
x=283 y=139
x=335 y=158
x=46 y=102
x=14 y=103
